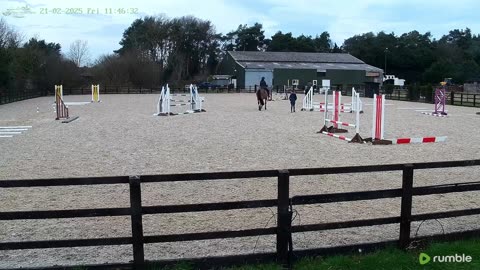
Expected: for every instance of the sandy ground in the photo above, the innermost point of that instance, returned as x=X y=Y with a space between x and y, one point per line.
x=119 y=136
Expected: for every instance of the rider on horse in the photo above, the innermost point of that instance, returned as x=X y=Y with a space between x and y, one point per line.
x=263 y=85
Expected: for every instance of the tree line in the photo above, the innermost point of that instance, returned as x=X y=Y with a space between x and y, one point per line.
x=157 y=49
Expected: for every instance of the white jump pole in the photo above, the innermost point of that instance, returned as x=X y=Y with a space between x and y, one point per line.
x=325 y=113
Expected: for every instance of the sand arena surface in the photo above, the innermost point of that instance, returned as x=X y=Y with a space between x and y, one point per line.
x=119 y=136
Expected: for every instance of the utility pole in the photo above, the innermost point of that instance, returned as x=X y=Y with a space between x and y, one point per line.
x=386 y=50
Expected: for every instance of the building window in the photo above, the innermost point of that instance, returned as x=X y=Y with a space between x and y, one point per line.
x=295 y=81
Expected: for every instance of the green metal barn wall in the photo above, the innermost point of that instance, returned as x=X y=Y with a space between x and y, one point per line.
x=228 y=66
x=280 y=76
x=346 y=77
x=342 y=78
x=336 y=77
x=240 y=76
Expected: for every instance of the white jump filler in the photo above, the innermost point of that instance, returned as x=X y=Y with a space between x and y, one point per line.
x=165 y=101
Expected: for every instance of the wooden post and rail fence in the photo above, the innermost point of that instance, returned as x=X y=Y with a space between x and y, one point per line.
x=283 y=230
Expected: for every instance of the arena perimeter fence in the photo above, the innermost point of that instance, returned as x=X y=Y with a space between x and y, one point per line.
x=284 y=204
x=453 y=98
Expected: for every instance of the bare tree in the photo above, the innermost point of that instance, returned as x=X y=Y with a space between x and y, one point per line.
x=79 y=53
x=9 y=37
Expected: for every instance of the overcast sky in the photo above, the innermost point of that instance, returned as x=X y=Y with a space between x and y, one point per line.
x=341 y=18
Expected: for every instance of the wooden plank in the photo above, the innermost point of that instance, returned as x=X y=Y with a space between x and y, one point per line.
x=443 y=189
x=208 y=235
x=341 y=170
x=406 y=206
x=74 y=213
x=111 y=266
x=345 y=224
x=65 y=182
x=284 y=218
x=136 y=218
x=44 y=244
x=162 y=209
x=450 y=236
x=446 y=164
x=346 y=196
x=208 y=176
x=70 y=119
x=232 y=175
x=447 y=214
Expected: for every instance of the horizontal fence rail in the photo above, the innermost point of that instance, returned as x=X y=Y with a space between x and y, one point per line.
x=453 y=97
x=284 y=204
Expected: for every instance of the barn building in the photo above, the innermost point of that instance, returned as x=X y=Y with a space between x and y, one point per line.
x=298 y=69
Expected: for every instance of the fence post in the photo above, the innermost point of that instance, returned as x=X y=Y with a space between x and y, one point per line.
x=136 y=218
x=461 y=99
x=474 y=100
x=452 y=98
x=283 y=216
x=406 y=208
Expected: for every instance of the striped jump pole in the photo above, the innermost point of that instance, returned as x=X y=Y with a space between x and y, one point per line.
x=419 y=140
x=378 y=121
x=440 y=101
x=379 y=124
x=347 y=107
x=336 y=136
x=337 y=97
x=357 y=138
x=95 y=93
x=336 y=114
x=58 y=92
x=62 y=109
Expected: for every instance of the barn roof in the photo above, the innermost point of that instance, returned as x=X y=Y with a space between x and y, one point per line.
x=295 y=57
x=300 y=60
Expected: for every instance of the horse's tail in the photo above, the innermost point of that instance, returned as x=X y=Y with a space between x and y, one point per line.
x=259 y=98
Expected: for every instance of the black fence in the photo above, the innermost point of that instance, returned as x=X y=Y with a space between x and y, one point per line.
x=9 y=96
x=453 y=98
x=284 y=204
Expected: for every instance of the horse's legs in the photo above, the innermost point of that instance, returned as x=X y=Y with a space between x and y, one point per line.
x=266 y=104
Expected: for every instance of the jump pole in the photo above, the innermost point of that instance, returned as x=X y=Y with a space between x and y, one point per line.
x=336 y=114
x=378 y=127
x=440 y=101
x=331 y=131
x=58 y=92
x=95 y=93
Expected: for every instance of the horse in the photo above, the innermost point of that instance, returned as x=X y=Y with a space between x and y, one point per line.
x=262 y=97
